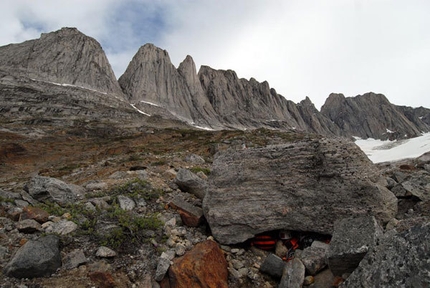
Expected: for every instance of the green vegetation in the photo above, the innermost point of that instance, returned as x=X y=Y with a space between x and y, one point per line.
x=128 y=226
x=207 y=171
x=137 y=188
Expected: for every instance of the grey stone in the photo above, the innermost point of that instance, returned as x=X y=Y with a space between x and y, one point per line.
x=9 y=195
x=273 y=266
x=126 y=203
x=418 y=185
x=314 y=259
x=352 y=239
x=189 y=182
x=96 y=185
x=399 y=260
x=36 y=258
x=3 y=252
x=21 y=203
x=100 y=203
x=303 y=186
x=293 y=275
x=74 y=259
x=162 y=267
x=180 y=250
x=105 y=252
x=62 y=227
x=391 y=183
x=194 y=159
x=28 y=226
x=47 y=189
x=399 y=190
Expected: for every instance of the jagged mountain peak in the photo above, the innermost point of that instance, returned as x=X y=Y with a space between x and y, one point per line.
x=66 y=56
x=370 y=115
x=211 y=98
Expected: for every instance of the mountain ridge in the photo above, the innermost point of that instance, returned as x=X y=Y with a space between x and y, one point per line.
x=209 y=98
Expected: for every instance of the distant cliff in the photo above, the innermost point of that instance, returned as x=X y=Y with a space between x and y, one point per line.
x=213 y=99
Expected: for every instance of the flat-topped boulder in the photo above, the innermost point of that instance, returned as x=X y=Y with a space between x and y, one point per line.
x=301 y=186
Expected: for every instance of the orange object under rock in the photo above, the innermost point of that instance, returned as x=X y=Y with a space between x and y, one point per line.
x=264 y=242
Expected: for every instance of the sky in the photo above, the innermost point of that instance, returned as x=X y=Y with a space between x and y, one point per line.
x=301 y=47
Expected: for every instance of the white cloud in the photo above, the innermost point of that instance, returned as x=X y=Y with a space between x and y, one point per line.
x=301 y=47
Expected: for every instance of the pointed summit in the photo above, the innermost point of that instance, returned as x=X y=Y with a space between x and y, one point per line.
x=66 y=56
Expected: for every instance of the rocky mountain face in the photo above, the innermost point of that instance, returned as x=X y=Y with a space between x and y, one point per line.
x=65 y=56
x=151 y=79
x=153 y=91
x=371 y=115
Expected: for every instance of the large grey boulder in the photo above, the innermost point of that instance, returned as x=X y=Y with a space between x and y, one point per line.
x=47 y=189
x=189 y=182
x=303 y=186
x=399 y=260
x=36 y=258
x=351 y=240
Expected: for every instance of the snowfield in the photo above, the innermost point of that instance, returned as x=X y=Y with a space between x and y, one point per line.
x=383 y=151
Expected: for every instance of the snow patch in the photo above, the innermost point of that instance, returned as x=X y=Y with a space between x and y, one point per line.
x=383 y=151
x=389 y=131
x=204 y=128
x=140 y=111
x=150 y=103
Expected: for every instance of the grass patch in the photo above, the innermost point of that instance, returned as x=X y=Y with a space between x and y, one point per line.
x=207 y=171
x=137 y=188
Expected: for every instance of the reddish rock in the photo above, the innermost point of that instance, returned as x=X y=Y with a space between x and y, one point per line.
x=203 y=266
x=191 y=215
x=35 y=213
x=102 y=279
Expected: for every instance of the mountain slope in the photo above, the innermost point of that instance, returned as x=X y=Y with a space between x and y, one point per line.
x=65 y=56
x=152 y=78
x=369 y=115
x=66 y=75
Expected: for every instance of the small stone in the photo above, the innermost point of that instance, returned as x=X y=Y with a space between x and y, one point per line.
x=74 y=259
x=243 y=271
x=126 y=203
x=237 y=264
x=62 y=227
x=314 y=259
x=169 y=254
x=35 y=213
x=293 y=274
x=281 y=250
x=162 y=267
x=226 y=248
x=21 y=203
x=180 y=250
x=105 y=252
x=273 y=265
x=308 y=280
x=66 y=216
x=170 y=242
x=28 y=226
x=89 y=206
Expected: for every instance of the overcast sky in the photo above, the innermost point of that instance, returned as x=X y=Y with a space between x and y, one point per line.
x=301 y=47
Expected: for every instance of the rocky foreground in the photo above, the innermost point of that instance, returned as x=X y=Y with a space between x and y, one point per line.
x=183 y=208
